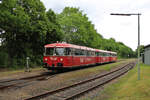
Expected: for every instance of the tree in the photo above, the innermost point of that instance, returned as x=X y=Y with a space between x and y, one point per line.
x=27 y=28
x=15 y=23
x=77 y=28
x=54 y=33
x=141 y=49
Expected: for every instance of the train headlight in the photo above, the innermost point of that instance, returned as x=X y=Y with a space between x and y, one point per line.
x=61 y=59
x=46 y=59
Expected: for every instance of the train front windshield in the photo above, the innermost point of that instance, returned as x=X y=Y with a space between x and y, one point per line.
x=59 y=51
x=49 y=51
x=56 y=51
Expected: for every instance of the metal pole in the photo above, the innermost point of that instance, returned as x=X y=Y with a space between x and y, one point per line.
x=138 y=14
x=27 y=67
x=138 y=46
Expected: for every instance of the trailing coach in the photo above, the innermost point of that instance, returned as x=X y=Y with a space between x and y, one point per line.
x=63 y=55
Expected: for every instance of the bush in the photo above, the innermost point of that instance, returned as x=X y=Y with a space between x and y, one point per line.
x=3 y=59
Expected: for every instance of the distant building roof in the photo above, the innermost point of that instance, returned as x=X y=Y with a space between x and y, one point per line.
x=147 y=46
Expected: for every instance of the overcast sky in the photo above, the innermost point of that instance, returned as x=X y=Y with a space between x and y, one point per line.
x=122 y=28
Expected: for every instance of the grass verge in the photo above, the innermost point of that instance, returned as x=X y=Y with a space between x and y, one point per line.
x=12 y=72
x=129 y=87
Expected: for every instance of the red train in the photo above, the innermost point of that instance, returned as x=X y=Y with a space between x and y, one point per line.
x=64 y=55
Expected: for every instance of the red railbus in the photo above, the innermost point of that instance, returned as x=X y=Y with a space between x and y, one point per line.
x=64 y=55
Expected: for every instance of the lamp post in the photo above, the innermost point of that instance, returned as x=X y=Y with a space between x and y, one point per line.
x=138 y=14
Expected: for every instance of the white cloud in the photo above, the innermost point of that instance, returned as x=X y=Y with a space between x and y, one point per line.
x=122 y=28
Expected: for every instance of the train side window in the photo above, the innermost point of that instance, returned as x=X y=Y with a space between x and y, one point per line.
x=101 y=54
x=88 y=53
x=108 y=54
x=97 y=53
x=93 y=53
x=72 y=51
x=85 y=52
x=111 y=55
x=68 y=51
x=77 y=52
x=104 y=54
x=82 y=53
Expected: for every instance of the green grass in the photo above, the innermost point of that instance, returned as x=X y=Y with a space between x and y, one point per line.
x=12 y=72
x=129 y=87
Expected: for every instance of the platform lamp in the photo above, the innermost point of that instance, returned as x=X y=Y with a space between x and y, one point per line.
x=130 y=14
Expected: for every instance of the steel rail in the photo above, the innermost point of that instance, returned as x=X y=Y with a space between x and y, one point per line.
x=95 y=86
x=43 y=95
x=24 y=80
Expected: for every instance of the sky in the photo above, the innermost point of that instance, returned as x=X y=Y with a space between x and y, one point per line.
x=121 y=28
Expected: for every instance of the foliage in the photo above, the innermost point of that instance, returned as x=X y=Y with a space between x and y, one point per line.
x=76 y=27
x=141 y=49
x=26 y=27
x=3 y=59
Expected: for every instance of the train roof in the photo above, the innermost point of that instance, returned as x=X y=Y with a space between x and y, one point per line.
x=57 y=45
x=98 y=50
x=67 y=45
x=113 y=52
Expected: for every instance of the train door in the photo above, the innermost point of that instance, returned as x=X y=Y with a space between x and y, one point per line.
x=75 y=57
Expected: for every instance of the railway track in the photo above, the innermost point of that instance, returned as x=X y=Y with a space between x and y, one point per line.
x=77 y=89
x=21 y=82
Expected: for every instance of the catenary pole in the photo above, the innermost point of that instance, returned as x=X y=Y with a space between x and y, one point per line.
x=138 y=14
